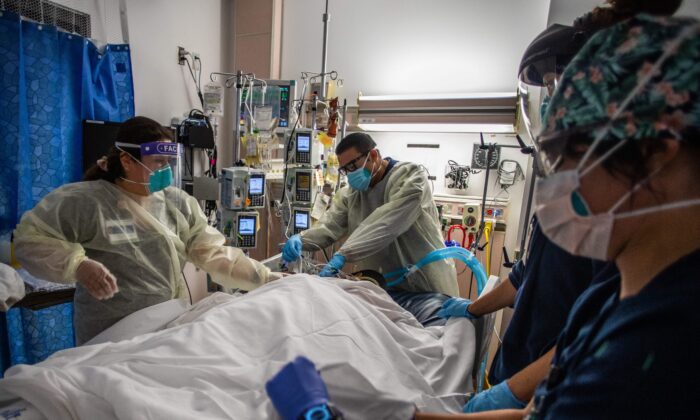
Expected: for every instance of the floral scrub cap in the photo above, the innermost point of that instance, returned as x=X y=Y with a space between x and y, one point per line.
x=615 y=62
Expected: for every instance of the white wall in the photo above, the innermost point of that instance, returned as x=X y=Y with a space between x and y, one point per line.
x=413 y=46
x=162 y=88
x=565 y=11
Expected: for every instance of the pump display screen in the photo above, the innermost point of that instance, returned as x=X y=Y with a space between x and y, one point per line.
x=304 y=142
x=255 y=185
x=304 y=182
x=301 y=220
x=246 y=225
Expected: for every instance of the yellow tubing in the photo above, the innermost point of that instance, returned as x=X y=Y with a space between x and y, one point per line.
x=487 y=260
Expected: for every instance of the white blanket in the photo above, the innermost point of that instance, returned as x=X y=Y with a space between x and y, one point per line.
x=11 y=287
x=213 y=361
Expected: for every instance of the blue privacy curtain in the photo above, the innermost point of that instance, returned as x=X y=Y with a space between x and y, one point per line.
x=51 y=81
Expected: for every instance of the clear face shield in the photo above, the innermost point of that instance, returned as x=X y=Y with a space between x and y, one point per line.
x=543 y=62
x=162 y=160
x=537 y=83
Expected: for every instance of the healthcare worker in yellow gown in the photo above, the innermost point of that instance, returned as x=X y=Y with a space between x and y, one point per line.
x=124 y=235
x=389 y=216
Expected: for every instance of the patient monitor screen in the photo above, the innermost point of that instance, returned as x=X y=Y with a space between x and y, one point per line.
x=304 y=142
x=301 y=220
x=256 y=185
x=246 y=225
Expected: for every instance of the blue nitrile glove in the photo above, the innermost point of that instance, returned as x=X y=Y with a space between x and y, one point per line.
x=296 y=388
x=498 y=397
x=334 y=265
x=292 y=249
x=455 y=307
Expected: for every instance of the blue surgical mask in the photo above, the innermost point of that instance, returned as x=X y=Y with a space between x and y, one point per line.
x=160 y=179
x=360 y=178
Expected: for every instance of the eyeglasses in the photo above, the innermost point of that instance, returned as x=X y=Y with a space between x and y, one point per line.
x=352 y=165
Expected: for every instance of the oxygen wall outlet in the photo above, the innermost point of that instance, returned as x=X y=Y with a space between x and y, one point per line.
x=181 y=54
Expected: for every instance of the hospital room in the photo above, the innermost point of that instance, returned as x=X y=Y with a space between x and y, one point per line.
x=334 y=209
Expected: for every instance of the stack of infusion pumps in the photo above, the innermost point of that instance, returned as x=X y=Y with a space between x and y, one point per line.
x=302 y=182
x=242 y=191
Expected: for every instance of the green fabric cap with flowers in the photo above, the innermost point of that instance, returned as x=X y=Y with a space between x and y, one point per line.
x=610 y=66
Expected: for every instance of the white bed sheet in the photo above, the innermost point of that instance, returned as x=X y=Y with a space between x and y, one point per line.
x=153 y=318
x=213 y=360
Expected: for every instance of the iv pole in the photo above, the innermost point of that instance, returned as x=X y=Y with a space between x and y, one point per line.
x=490 y=149
x=237 y=118
x=237 y=80
x=324 y=53
x=528 y=150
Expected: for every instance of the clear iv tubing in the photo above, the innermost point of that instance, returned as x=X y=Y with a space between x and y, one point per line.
x=456 y=253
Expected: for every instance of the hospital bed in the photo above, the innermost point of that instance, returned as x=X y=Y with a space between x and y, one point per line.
x=485 y=326
x=212 y=359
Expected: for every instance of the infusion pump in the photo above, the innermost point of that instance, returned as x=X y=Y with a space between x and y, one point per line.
x=256 y=189
x=303 y=148
x=242 y=188
x=240 y=228
x=301 y=219
x=301 y=186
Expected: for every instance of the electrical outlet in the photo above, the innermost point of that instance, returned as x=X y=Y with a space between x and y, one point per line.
x=181 y=54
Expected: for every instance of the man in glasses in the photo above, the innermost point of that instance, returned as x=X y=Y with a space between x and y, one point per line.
x=389 y=217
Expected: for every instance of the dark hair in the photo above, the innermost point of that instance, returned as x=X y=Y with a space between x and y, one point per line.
x=631 y=161
x=555 y=47
x=137 y=130
x=605 y=17
x=360 y=141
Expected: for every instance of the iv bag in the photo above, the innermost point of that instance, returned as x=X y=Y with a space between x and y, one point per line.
x=213 y=98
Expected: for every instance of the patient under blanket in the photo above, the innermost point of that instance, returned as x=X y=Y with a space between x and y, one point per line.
x=213 y=360
x=424 y=306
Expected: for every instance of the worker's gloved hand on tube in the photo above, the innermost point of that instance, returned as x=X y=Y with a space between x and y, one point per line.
x=333 y=267
x=96 y=279
x=292 y=249
x=296 y=388
x=456 y=307
x=498 y=397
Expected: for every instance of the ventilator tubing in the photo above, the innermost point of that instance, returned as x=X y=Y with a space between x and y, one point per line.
x=456 y=253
